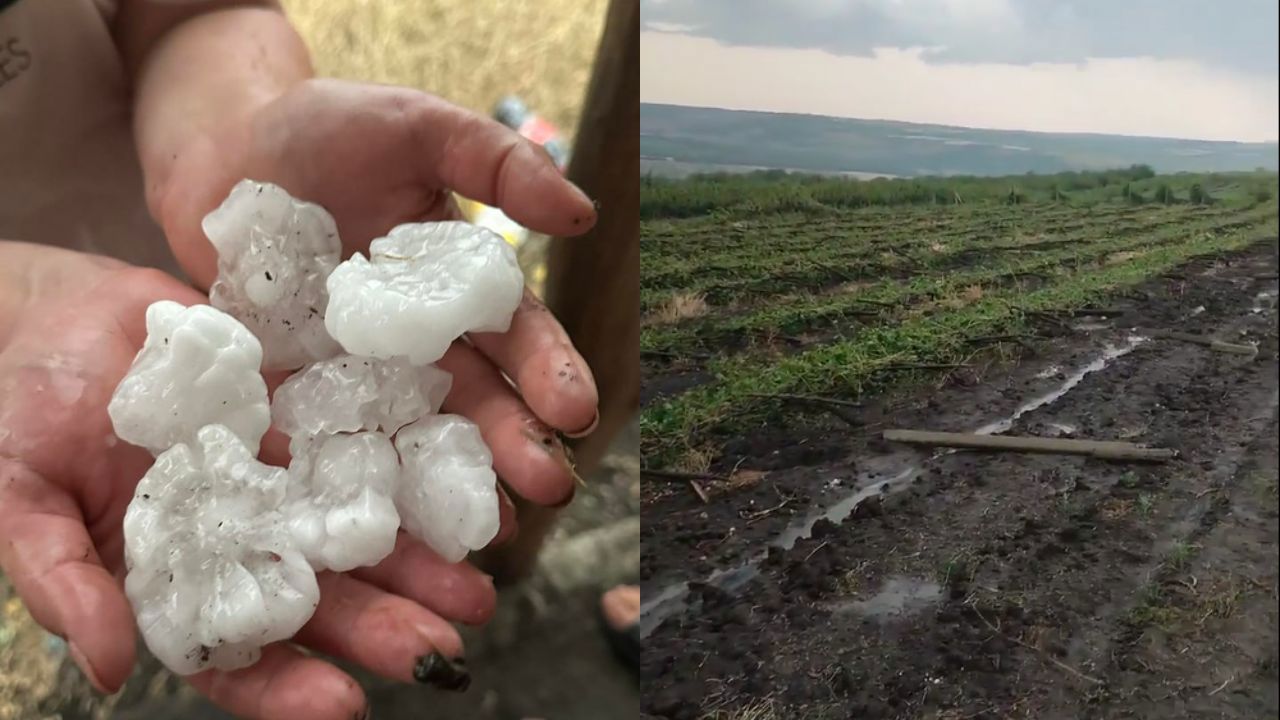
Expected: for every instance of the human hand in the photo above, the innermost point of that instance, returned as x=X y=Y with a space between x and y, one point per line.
x=376 y=157
x=72 y=328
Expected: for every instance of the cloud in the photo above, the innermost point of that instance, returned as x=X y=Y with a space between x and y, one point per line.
x=1130 y=96
x=1238 y=35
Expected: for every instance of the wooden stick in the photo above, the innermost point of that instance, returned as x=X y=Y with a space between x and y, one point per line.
x=674 y=356
x=1106 y=449
x=1097 y=312
x=593 y=281
x=677 y=475
x=816 y=399
x=697 y=490
x=1212 y=344
x=902 y=367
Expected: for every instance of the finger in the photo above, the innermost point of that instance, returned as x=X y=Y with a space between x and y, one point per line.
x=390 y=635
x=552 y=377
x=51 y=560
x=284 y=684
x=527 y=455
x=456 y=591
x=484 y=160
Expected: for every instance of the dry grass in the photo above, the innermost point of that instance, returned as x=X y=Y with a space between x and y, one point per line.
x=697 y=459
x=1122 y=257
x=472 y=52
x=27 y=670
x=762 y=709
x=677 y=307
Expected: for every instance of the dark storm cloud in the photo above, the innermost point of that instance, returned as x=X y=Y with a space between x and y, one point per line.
x=1230 y=34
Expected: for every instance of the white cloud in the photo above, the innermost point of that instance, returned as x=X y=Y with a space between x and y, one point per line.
x=1132 y=96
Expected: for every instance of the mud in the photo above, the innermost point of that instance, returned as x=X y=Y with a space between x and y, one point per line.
x=965 y=585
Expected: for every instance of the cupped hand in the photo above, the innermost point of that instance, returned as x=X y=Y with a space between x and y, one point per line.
x=73 y=329
x=376 y=157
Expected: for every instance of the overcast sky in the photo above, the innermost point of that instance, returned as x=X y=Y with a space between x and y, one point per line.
x=1180 y=68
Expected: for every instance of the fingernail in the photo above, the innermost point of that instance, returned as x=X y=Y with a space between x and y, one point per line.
x=439 y=671
x=83 y=663
x=542 y=436
x=595 y=421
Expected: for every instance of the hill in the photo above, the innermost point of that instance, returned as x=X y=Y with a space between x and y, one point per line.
x=676 y=140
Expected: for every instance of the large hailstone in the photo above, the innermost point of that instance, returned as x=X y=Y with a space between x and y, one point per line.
x=423 y=286
x=341 y=514
x=448 y=493
x=213 y=572
x=274 y=254
x=198 y=367
x=350 y=393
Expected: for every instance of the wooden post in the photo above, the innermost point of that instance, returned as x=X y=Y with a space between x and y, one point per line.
x=593 y=282
x=1105 y=449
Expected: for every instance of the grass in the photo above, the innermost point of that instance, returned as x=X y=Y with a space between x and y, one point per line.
x=848 y=367
x=788 y=312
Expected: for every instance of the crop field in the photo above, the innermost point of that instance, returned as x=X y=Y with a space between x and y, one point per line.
x=796 y=565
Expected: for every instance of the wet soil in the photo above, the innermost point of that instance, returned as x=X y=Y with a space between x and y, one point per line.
x=859 y=579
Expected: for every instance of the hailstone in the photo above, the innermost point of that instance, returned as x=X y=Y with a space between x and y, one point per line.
x=197 y=367
x=274 y=254
x=350 y=393
x=423 y=286
x=213 y=575
x=341 y=514
x=448 y=493
x=221 y=549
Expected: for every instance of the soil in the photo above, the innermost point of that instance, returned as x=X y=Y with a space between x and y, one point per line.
x=859 y=579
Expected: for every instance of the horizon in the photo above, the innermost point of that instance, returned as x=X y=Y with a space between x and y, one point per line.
x=1274 y=141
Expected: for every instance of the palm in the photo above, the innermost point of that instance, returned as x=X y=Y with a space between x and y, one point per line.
x=57 y=386
x=61 y=512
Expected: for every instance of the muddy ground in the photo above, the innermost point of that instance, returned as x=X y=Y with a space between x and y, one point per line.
x=543 y=656
x=911 y=583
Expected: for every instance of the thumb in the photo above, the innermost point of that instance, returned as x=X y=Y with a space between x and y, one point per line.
x=47 y=553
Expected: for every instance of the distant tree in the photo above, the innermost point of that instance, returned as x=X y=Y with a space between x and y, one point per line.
x=1134 y=196
x=1141 y=172
x=1197 y=195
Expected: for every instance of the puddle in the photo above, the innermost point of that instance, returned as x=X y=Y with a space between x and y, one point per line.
x=674 y=599
x=898 y=596
x=1091 y=326
x=1057 y=429
x=1264 y=301
x=1048 y=372
x=1109 y=355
